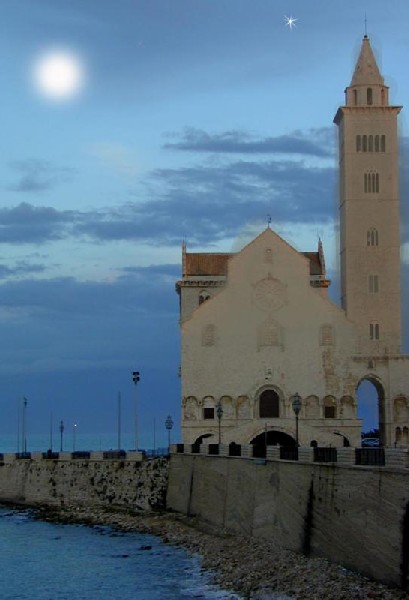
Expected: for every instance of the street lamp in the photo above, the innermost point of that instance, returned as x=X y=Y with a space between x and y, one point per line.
x=219 y=413
x=297 y=404
x=135 y=379
x=61 y=434
x=169 y=425
x=74 y=435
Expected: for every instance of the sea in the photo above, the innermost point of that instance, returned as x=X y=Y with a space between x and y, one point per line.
x=49 y=561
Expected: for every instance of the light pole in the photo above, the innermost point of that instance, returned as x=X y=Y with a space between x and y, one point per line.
x=74 y=435
x=25 y=424
x=169 y=425
x=135 y=378
x=61 y=434
x=219 y=413
x=297 y=404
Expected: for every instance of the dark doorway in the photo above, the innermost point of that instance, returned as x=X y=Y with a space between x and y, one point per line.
x=273 y=438
x=269 y=405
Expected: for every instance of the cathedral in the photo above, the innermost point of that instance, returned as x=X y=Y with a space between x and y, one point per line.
x=257 y=327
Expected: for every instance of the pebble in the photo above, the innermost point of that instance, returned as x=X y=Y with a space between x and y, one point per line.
x=255 y=569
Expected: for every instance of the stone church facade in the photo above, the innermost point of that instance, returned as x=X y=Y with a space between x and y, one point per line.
x=257 y=326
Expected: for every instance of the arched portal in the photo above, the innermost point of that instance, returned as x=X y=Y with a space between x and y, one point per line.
x=273 y=438
x=371 y=406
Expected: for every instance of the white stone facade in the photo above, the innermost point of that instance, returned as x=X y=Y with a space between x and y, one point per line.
x=257 y=326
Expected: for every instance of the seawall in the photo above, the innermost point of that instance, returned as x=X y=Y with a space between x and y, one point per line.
x=355 y=516
x=94 y=482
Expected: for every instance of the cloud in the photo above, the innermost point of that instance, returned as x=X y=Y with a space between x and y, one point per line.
x=26 y=223
x=116 y=157
x=38 y=176
x=315 y=142
x=21 y=268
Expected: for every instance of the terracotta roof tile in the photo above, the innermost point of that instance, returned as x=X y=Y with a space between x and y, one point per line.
x=203 y=263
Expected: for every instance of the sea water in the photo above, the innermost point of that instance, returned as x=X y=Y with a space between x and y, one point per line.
x=48 y=561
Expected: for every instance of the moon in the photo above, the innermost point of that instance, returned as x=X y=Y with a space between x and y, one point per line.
x=58 y=75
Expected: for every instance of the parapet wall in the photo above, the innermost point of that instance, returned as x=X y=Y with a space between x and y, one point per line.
x=353 y=515
x=137 y=483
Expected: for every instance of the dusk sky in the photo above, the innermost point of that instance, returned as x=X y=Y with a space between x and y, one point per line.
x=185 y=119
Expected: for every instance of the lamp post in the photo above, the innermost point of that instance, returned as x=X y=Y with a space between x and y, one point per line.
x=74 y=436
x=169 y=425
x=297 y=404
x=135 y=378
x=61 y=434
x=219 y=413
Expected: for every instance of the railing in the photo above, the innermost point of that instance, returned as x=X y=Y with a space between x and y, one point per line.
x=370 y=456
x=288 y=452
x=23 y=455
x=82 y=454
x=213 y=448
x=50 y=455
x=325 y=454
x=259 y=450
x=234 y=449
x=114 y=454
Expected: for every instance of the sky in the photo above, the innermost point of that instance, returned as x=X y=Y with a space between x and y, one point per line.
x=190 y=119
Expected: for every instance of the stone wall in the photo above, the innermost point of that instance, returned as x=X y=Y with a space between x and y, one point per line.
x=137 y=484
x=355 y=516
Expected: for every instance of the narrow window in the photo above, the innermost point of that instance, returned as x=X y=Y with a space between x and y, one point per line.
x=358 y=143
x=374 y=331
x=383 y=97
x=366 y=182
x=369 y=96
x=377 y=183
x=383 y=143
x=329 y=412
x=373 y=284
x=364 y=143
x=372 y=237
x=370 y=143
x=377 y=143
x=355 y=97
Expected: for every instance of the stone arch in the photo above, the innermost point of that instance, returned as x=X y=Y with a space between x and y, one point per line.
x=203 y=436
x=273 y=437
x=401 y=409
x=370 y=393
x=269 y=402
x=190 y=408
x=227 y=403
x=330 y=407
x=348 y=407
x=312 y=407
x=208 y=407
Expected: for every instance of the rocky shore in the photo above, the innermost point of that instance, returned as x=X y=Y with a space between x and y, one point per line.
x=252 y=568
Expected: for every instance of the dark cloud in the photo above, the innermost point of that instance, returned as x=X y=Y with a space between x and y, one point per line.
x=20 y=268
x=38 y=176
x=26 y=223
x=315 y=142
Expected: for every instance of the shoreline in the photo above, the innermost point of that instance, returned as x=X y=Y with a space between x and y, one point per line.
x=255 y=569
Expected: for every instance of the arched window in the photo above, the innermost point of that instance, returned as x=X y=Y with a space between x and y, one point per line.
x=374 y=331
x=369 y=96
x=383 y=97
x=364 y=143
x=371 y=182
x=203 y=296
x=370 y=143
x=358 y=143
x=383 y=143
x=377 y=143
x=269 y=405
x=372 y=237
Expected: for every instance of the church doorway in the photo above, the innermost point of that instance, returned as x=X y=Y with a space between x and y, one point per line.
x=370 y=396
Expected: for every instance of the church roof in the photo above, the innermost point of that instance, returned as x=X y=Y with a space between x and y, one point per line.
x=366 y=70
x=203 y=263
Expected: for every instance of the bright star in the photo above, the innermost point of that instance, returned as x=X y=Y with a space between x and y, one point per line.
x=290 y=21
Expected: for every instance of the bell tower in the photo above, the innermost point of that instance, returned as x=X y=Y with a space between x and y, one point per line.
x=369 y=208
